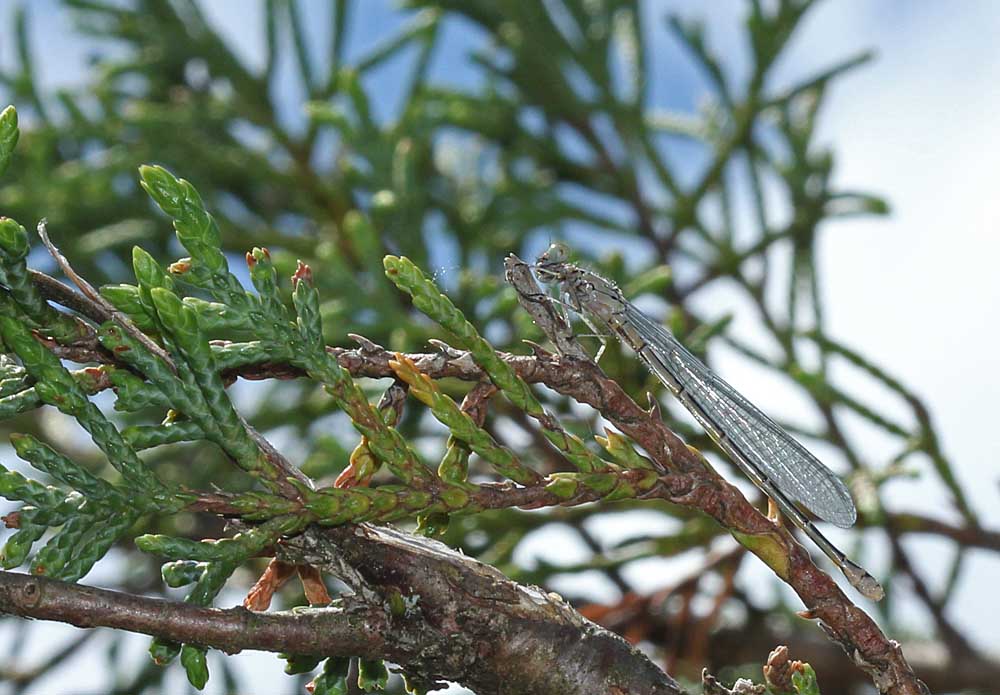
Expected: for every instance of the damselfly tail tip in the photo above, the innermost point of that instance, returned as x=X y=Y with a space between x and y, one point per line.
x=866 y=584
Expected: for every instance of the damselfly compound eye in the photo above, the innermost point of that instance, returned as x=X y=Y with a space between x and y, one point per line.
x=556 y=253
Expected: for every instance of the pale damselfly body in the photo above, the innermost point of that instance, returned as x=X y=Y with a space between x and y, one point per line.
x=781 y=467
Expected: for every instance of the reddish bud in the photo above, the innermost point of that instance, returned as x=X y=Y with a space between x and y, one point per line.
x=96 y=378
x=302 y=273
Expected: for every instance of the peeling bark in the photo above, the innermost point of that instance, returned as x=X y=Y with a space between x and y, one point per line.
x=457 y=619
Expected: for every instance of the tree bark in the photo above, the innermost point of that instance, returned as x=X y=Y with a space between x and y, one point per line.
x=415 y=602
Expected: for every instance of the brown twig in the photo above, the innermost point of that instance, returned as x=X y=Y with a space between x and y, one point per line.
x=448 y=615
x=350 y=630
x=100 y=306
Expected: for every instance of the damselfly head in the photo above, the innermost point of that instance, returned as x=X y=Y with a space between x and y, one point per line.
x=550 y=266
x=556 y=253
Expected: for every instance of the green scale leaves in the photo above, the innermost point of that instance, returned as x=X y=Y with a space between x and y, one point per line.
x=157 y=356
x=429 y=299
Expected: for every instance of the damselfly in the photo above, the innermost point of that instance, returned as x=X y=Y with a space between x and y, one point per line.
x=781 y=467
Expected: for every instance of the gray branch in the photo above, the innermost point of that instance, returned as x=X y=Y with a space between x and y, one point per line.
x=435 y=612
x=458 y=619
x=344 y=630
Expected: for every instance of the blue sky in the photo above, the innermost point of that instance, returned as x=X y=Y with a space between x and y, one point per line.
x=916 y=291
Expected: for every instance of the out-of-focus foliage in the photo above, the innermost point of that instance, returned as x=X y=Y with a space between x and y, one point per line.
x=559 y=138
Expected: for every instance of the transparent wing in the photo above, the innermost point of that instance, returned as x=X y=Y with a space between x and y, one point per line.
x=757 y=438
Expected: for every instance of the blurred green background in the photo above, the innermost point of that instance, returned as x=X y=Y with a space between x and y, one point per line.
x=730 y=165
